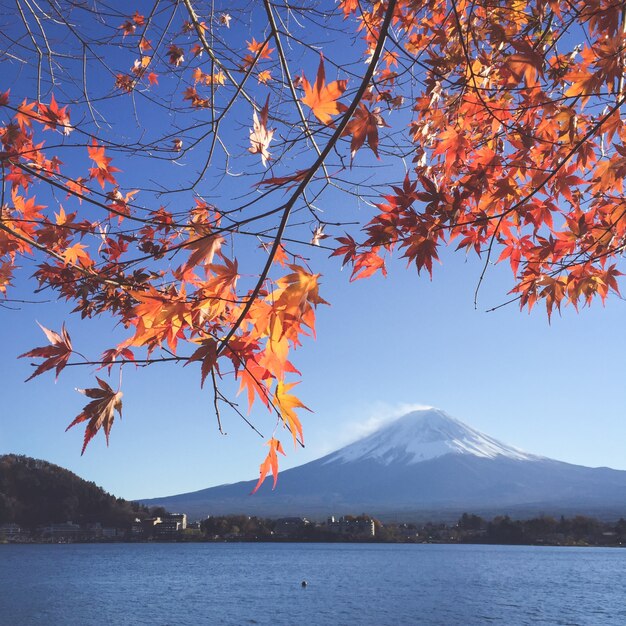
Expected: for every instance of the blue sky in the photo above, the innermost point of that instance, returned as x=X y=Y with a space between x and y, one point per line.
x=383 y=347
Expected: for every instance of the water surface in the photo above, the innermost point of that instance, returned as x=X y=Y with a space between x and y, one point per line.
x=360 y=584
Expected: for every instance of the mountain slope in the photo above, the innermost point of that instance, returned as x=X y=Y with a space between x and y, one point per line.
x=34 y=492
x=424 y=435
x=424 y=462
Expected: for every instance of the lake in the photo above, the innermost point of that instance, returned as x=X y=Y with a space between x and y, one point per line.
x=348 y=584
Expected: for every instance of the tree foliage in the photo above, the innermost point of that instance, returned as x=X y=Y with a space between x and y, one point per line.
x=34 y=492
x=176 y=168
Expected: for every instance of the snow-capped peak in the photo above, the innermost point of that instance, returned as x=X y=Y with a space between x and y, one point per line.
x=424 y=435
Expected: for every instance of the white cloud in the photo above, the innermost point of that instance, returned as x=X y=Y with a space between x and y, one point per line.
x=375 y=417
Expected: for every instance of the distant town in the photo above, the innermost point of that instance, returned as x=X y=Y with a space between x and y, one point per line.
x=176 y=527
x=576 y=531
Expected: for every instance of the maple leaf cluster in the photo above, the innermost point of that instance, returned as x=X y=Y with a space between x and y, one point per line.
x=510 y=160
x=497 y=129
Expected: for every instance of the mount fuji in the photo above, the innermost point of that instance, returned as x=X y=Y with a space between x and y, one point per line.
x=426 y=464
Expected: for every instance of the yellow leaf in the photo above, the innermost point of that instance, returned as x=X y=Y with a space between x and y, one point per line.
x=286 y=403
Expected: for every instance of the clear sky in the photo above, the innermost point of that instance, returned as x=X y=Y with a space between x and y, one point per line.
x=383 y=347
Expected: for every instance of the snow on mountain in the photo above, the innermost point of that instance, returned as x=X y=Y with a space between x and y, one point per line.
x=424 y=435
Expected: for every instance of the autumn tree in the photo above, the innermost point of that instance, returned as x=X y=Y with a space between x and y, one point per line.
x=179 y=168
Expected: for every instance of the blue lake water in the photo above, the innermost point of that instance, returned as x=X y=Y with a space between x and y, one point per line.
x=348 y=584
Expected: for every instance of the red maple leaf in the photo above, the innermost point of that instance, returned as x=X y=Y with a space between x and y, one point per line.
x=100 y=412
x=56 y=355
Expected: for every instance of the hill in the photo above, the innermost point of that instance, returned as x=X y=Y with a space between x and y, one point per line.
x=35 y=492
x=424 y=465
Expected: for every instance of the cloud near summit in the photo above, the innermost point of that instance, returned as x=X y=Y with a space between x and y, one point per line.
x=373 y=418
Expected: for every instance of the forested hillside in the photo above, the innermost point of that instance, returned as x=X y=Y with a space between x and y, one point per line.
x=34 y=492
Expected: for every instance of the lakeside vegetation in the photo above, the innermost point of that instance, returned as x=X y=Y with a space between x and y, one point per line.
x=544 y=530
x=470 y=529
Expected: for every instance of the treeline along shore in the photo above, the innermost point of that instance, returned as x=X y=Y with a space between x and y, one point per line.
x=44 y=503
x=574 y=531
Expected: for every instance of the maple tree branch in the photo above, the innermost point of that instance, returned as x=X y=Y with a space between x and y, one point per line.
x=84 y=197
x=622 y=78
x=285 y=67
x=490 y=115
x=76 y=34
x=234 y=407
x=2 y=192
x=288 y=206
x=468 y=61
x=207 y=48
x=31 y=242
x=142 y=362
x=35 y=45
x=216 y=120
x=85 y=92
x=216 y=401
x=45 y=39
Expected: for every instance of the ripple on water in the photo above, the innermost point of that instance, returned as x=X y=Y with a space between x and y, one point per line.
x=234 y=584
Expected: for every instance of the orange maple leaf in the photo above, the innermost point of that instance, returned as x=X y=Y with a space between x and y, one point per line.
x=76 y=188
x=277 y=348
x=76 y=255
x=322 y=98
x=197 y=101
x=203 y=247
x=454 y=145
x=26 y=114
x=62 y=218
x=252 y=378
x=526 y=65
x=286 y=403
x=6 y=274
x=103 y=170
x=260 y=48
x=225 y=275
x=366 y=264
x=100 y=412
x=160 y=317
x=52 y=116
x=348 y=7
x=270 y=463
x=27 y=207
